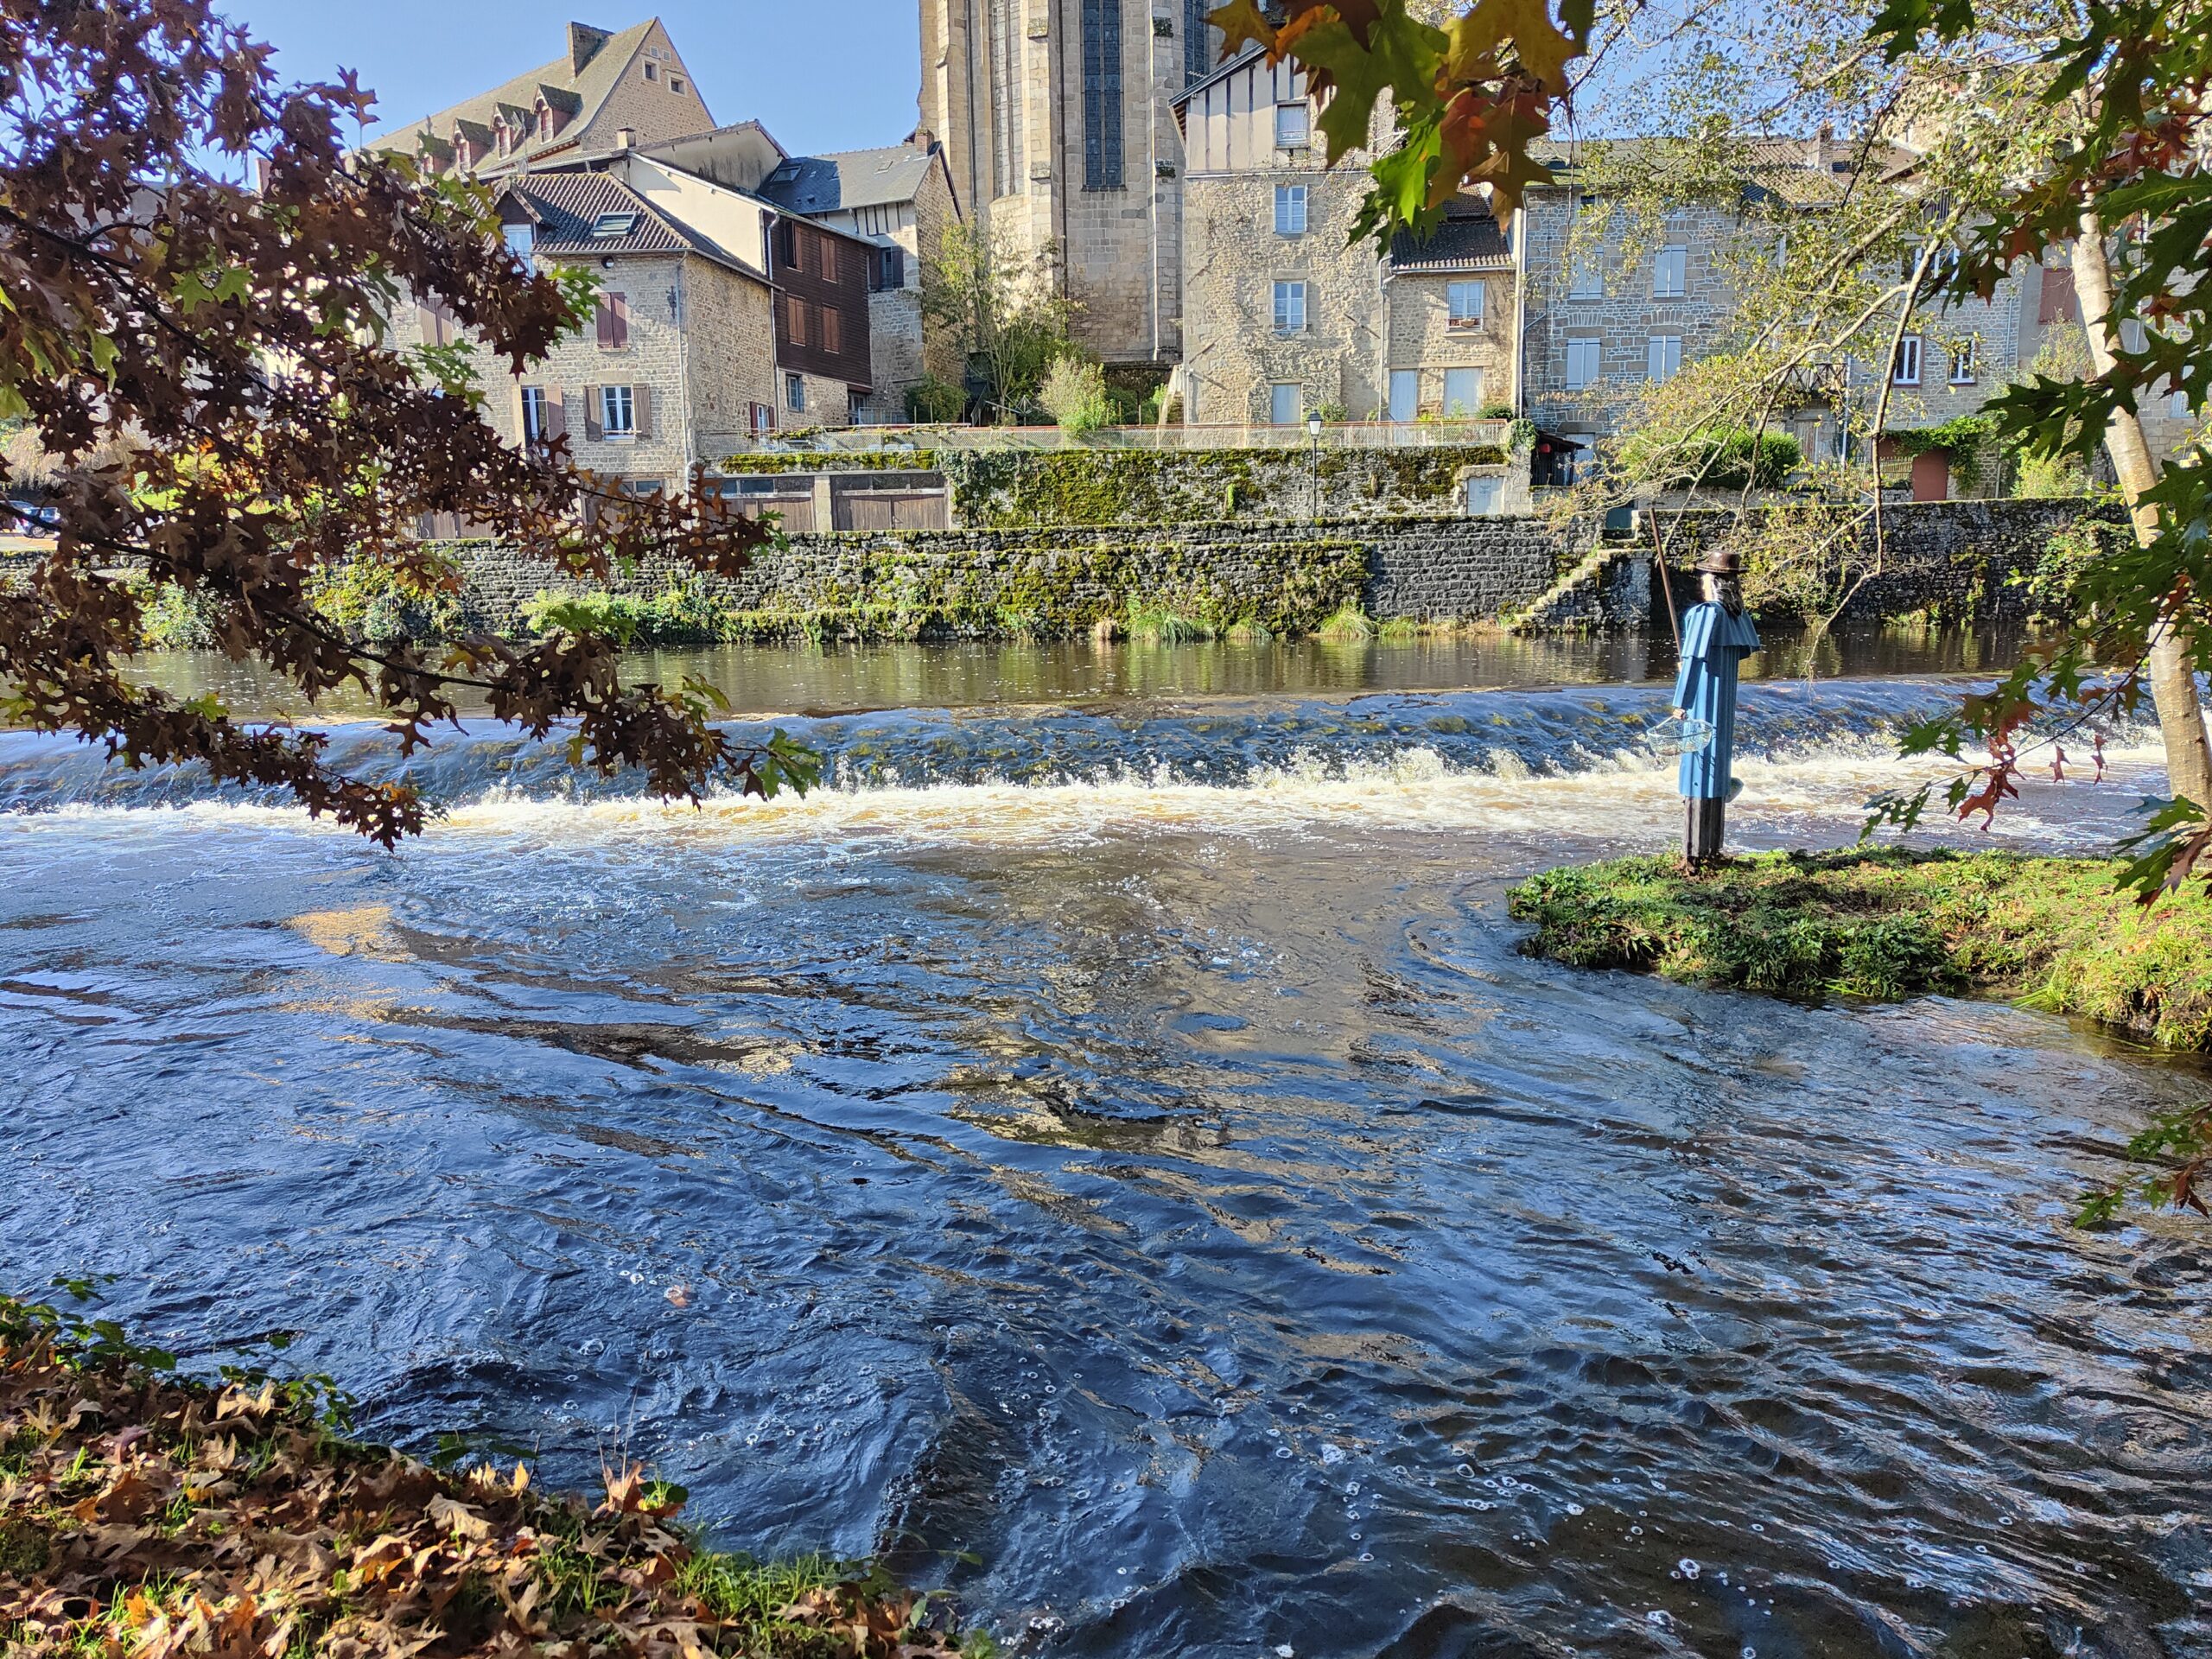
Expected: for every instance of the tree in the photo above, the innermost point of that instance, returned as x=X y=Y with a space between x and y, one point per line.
x=1002 y=306
x=206 y=369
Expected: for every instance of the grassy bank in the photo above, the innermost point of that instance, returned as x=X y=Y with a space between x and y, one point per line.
x=2052 y=932
x=143 y=1514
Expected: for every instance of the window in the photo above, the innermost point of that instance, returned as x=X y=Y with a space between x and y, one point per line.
x=1581 y=361
x=1294 y=126
x=1197 y=40
x=1586 y=275
x=2133 y=337
x=1286 y=404
x=1464 y=302
x=1463 y=393
x=520 y=239
x=613 y=313
x=1670 y=273
x=1485 y=496
x=440 y=326
x=795 y=394
x=536 y=422
x=2178 y=405
x=676 y=82
x=762 y=417
x=1405 y=394
x=1906 y=371
x=1290 y=308
x=1962 y=363
x=833 y=330
x=1663 y=356
x=1102 y=94
x=795 y=319
x=618 y=412
x=1290 y=210
x=652 y=71
x=886 y=269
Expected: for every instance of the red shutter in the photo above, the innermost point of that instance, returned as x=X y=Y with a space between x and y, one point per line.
x=621 y=305
x=641 y=411
x=604 y=313
x=592 y=428
x=796 y=310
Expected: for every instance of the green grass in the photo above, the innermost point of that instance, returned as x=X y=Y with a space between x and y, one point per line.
x=1349 y=621
x=1160 y=625
x=2054 y=933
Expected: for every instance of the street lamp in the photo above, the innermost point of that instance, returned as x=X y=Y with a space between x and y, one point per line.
x=1314 y=431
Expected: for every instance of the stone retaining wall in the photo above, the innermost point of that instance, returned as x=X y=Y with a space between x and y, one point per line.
x=1959 y=559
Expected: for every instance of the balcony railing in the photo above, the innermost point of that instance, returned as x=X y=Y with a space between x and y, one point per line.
x=1339 y=435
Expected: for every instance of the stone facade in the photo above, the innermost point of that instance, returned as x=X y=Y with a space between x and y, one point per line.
x=1284 y=313
x=1610 y=307
x=1031 y=124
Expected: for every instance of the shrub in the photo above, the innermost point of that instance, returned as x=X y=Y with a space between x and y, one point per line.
x=1074 y=394
x=934 y=400
x=1722 y=459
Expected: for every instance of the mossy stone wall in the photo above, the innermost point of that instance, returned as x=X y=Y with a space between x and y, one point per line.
x=1006 y=489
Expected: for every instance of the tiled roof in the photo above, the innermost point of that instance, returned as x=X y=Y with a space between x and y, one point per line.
x=578 y=92
x=848 y=179
x=1465 y=241
x=567 y=205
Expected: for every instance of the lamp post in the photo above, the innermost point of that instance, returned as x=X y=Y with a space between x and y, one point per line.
x=1314 y=432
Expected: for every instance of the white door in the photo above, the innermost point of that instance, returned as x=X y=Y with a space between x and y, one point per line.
x=1405 y=394
x=1463 y=393
x=1485 y=496
x=1287 y=404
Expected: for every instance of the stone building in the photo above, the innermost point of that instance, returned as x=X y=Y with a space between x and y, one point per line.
x=899 y=199
x=609 y=84
x=1058 y=130
x=1611 y=308
x=1284 y=314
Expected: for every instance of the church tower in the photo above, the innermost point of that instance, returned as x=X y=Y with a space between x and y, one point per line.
x=1055 y=119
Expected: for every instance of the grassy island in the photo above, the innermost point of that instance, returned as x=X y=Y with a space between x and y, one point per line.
x=144 y=1514
x=2053 y=933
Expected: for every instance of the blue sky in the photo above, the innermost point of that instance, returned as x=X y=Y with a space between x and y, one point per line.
x=821 y=74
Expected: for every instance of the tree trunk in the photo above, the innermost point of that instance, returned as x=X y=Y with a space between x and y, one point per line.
x=2173 y=680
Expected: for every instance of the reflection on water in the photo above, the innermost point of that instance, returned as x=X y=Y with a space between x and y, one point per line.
x=775 y=679
x=1152 y=1195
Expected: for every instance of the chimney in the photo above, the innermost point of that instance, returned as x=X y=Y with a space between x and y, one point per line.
x=584 y=42
x=1827 y=145
x=625 y=137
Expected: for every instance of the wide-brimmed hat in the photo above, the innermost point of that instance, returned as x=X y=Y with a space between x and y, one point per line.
x=1721 y=564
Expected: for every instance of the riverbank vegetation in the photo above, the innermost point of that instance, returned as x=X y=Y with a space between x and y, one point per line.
x=143 y=1513
x=2054 y=933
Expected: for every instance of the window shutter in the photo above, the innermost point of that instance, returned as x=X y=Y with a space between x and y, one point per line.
x=618 y=306
x=831 y=334
x=557 y=414
x=641 y=411
x=592 y=429
x=2059 y=303
x=521 y=414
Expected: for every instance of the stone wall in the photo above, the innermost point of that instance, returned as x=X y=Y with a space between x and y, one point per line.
x=1059 y=583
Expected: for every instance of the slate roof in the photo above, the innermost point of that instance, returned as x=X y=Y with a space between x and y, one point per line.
x=1468 y=239
x=581 y=93
x=1800 y=171
x=848 y=178
x=567 y=205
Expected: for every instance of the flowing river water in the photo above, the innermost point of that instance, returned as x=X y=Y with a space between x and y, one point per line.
x=1104 y=1152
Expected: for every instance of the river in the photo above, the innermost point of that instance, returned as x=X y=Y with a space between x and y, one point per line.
x=1104 y=1152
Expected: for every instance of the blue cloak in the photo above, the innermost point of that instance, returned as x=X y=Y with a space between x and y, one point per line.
x=1714 y=645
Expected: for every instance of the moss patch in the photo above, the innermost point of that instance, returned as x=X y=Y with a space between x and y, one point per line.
x=2054 y=933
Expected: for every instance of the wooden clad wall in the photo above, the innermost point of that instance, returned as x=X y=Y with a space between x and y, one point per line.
x=1230 y=126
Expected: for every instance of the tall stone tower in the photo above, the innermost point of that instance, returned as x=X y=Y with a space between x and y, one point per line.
x=1054 y=116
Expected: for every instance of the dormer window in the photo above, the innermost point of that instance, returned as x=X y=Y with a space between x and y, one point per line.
x=520 y=239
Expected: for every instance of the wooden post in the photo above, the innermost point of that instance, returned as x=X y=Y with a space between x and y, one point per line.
x=1703 y=832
